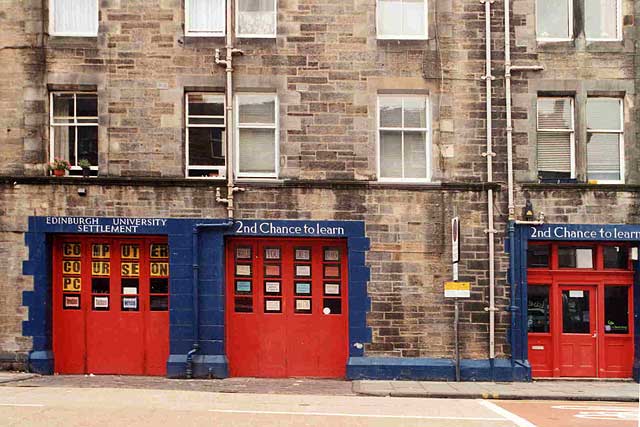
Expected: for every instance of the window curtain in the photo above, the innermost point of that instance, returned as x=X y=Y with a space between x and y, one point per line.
x=206 y=16
x=552 y=19
x=256 y=17
x=601 y=19
x=75 y=16
x=555 y=128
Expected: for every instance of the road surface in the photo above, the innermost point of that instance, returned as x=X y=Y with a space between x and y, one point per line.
x=65 y=406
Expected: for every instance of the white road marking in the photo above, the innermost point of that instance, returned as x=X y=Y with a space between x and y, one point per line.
x=334 y=414
x=602 y=412
x=520 y=422
x=31 y=405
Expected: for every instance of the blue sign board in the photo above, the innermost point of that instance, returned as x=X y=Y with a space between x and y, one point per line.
x=585 y=232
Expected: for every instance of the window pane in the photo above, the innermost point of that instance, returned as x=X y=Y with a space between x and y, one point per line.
x=575 y=312
x=555 y=113
x=391 y=112
x=64 y=143
x=415 y=113
x=390 y=17
x=390 y=154
x=538 y=309
x=257 y=109
x=256 y=17
x=86 y=105
x=63 y=105
x=601 y=19
x=257 y=150
x=616 y=257
x=413 y=17
x=201 y=104
x=206 y=147
x=75 y=16
x=604 y=114
x=538 y=256
x=554 y=154
x=569 y=257
x=415 y=155
x=206 y=16
x=552 y=19
x=603 y=156
x=88 y=144
x=616 y=310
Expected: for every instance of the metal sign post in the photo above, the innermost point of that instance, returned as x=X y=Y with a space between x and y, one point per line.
x=456 y=289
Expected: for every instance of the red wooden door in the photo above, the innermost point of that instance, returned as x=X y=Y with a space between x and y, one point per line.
x=110 y=311
x=578 y=331
x=287 y=308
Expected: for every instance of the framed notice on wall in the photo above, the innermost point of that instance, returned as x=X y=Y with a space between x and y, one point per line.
x=272 y=287
x=100 y=303
x=272 y=305
x=303 y=271
x=71 y=302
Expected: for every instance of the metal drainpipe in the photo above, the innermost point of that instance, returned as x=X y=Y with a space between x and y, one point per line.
x=508 y=68
x=195 y=291
x=228 y=64
x=489 y=154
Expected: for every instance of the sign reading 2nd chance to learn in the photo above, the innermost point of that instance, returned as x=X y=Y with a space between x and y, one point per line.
x=457 y=290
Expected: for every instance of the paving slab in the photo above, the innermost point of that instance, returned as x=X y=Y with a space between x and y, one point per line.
x=230 y=385
x=10 y=377
x=614 y=391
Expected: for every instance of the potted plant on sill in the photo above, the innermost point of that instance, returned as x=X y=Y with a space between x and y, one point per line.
x=59 y=167
x=86 y=168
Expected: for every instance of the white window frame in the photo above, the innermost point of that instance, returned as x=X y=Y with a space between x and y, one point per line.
x=74 y=123
x=556 y=39
x=572 y=132
x=256 y=36
x=238 y=126
x=424 y=36
x=618 y=36
x=222 y=170
x=52 y=25
x=402 y=129
x=620 y=133
x=187 y=24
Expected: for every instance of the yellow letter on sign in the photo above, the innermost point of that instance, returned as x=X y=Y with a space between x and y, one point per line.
x=71 y=250
x=100 y=268
x=130 y=252
x=159 y=269
x=130 y=269
x=71 y=267
x=159 y=250
x=101 y=251
x=71 y=284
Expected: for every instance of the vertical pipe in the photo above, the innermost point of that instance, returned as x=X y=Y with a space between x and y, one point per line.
x=229 y=108
x=507 y=89
x=489 y=154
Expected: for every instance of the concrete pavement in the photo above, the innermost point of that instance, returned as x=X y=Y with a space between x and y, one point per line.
x=613 y=391
x=70 y=406
x=21 y=406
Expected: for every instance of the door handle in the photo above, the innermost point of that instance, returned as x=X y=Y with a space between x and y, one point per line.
x=595 y=335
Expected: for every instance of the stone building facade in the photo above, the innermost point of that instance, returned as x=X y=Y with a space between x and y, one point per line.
x=328 y=68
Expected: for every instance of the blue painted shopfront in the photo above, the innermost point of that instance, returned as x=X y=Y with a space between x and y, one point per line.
x=519 y=237
x=196 y=280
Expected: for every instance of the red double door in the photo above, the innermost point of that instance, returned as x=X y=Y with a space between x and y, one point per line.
x=286 y=305
x=580 y=320
x=110 y=305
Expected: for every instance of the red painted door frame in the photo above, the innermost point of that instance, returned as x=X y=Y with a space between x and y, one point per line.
x=613 y=352
x=120 y=339
x=292 y=342
x=577 y=355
